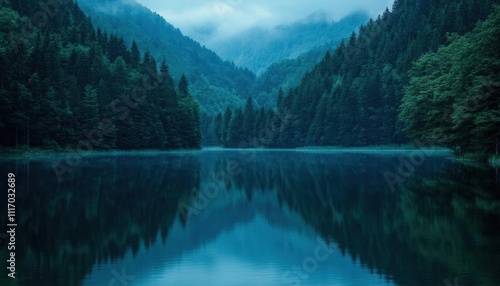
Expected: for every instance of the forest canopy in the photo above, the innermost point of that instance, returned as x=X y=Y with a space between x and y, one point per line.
x=453 y=98
x=65 y=83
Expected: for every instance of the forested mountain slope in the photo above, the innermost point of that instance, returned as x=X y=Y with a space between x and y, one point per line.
x=64 y=85
x=293 y=49
x=285 y=75
x=353 y=96
x=214 y=83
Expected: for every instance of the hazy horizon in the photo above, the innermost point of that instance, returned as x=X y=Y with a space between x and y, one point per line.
x=213 y=20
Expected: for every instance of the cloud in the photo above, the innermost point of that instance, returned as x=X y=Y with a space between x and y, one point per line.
x=202 y=19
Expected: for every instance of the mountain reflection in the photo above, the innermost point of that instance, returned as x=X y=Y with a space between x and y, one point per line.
x=127 y=211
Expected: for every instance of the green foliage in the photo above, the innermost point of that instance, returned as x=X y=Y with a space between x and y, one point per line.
x=9 y=20
x=453 y=95
x=247 y=127
x=70 y=86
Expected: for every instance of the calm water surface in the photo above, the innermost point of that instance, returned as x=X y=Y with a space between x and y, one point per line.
x=229 y=217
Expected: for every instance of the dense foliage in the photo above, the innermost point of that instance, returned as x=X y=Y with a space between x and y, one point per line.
x=353 y=96
x=64 y=84
x=453 y=97
x=248 y=127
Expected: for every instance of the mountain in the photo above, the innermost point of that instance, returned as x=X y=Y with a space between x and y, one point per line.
x=258 y=48
x=354 y=96
x=213 y=82
x=285 y=75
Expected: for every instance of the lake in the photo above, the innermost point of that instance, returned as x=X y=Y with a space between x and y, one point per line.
x=254 y=217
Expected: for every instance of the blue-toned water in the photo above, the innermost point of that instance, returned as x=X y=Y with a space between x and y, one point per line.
x=256 y=217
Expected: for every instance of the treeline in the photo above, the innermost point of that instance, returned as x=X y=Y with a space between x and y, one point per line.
x=353 y=96
x=247 y=127
x=63 y=83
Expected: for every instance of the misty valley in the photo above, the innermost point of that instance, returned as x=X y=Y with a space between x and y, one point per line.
x=250 y=143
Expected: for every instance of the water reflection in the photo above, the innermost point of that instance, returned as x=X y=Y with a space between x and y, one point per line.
x=108 y=206
x=274 y=218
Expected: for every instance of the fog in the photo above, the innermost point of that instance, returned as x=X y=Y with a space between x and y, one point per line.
x=201 y=19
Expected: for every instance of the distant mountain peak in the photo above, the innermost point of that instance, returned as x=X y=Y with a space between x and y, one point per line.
x=318 y=16
x=258 y=48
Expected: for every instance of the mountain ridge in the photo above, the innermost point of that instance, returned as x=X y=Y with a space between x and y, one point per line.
x=258 y=48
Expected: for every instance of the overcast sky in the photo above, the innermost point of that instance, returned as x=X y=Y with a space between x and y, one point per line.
x=218 y=18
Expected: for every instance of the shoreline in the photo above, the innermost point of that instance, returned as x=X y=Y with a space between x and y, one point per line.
x=375 y=147
x=24 y=152
x=491 y=159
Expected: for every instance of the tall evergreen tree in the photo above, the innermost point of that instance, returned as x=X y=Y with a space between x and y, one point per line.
x=249 y=121
x=235 y=134
x=228 y=114
x=135 y=56
x=183 y=86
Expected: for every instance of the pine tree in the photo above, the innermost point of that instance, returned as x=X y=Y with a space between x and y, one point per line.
x=228 y=114
x=248 y=121
x=235 y=134
x=183 y=86
x=217 y=128
x=279 y=101
x=89 y=110
x=135 y=56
